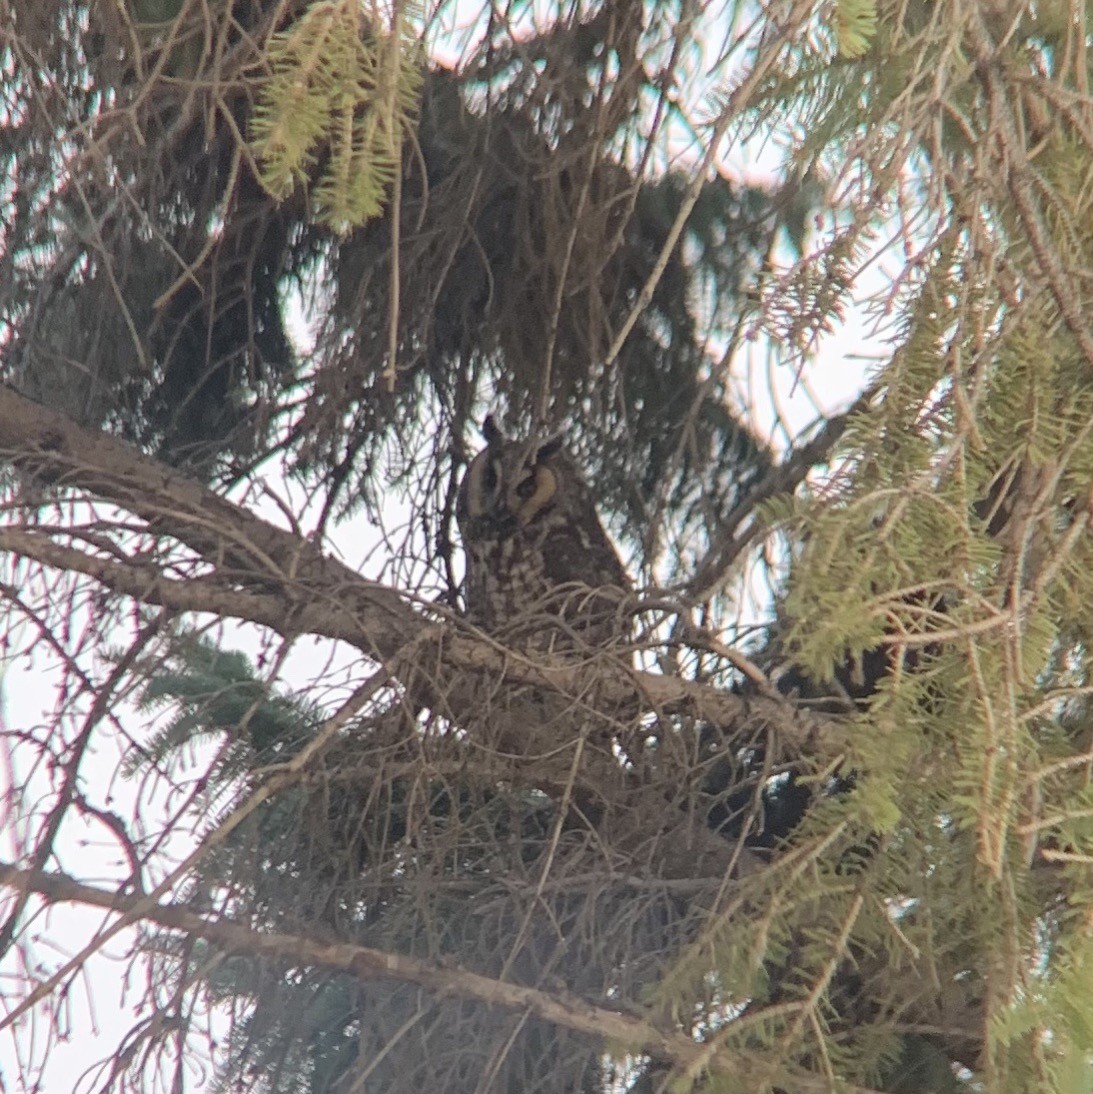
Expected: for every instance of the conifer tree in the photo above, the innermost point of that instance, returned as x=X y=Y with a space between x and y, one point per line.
x=818 y=821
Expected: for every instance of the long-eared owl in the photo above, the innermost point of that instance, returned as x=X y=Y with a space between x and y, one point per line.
x=541 y=572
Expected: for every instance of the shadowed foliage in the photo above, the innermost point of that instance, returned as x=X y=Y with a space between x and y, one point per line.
x=807 y=806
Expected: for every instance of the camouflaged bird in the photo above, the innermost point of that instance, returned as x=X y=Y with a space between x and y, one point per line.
x=541 y=571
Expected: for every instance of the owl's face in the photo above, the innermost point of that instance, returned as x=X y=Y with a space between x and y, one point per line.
x=509 y=488
x=535 y=546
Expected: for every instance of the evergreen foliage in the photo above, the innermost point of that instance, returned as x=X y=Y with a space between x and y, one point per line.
x=328 y=68
x=845 y=845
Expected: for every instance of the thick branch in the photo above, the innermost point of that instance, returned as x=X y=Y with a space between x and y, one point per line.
x=280 y=580
x=257 y=554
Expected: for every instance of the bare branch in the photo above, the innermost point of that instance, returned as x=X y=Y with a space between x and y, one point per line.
x=366 y=963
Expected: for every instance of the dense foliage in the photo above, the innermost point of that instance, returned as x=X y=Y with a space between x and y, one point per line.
x=818 y=820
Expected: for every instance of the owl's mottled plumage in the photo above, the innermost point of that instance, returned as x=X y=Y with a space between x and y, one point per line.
x=540 y=569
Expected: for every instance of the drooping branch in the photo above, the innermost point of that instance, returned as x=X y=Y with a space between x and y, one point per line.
x=1017 y=174
x=366 y=963
x=620 y=1028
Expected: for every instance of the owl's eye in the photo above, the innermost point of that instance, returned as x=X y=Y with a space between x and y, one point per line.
x=526 y=487
x=489 y=478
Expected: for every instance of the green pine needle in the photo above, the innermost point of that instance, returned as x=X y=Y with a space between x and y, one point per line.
x=342 y=94
x=855 y=24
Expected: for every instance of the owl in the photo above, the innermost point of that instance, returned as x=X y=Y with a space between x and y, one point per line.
x=541 y=572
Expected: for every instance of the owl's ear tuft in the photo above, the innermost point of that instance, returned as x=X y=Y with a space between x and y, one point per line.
x=550 y=447
x=492 y=431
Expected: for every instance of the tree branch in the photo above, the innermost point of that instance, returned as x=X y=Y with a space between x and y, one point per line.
x=365 y=963
x=1012 y=153
x=272 y=577
x=739 y=529
x=45 y=444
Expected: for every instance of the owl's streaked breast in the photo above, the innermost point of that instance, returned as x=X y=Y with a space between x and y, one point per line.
x=541 y=571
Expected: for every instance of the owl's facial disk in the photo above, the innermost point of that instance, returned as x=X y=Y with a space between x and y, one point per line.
x=510 y=494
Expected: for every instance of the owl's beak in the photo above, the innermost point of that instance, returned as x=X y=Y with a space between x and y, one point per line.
x=506 y=524
x=495 y=524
